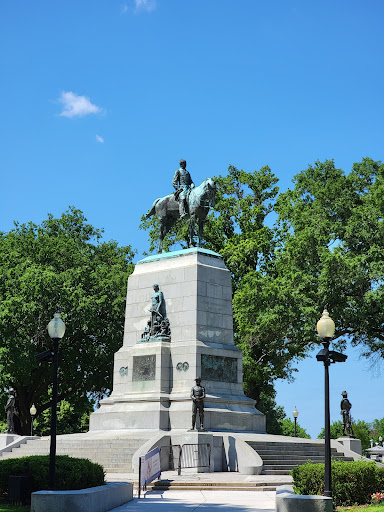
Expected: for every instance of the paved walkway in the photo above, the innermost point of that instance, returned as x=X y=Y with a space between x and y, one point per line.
x=201 y=500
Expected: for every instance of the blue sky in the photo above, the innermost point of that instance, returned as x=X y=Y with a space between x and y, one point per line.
x=100 y=99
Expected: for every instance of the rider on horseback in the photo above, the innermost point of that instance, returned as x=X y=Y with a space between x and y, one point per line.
x=183 y=183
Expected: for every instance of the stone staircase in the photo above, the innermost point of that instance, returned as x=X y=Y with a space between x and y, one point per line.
x=280 y=457
x=115 y=455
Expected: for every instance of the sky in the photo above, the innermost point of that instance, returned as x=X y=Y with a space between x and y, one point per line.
x=100 y=99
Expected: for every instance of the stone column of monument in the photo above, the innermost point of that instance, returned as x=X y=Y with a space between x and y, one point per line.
x=153 y=376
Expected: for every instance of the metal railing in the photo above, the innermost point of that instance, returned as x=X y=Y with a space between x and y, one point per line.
x=185 y=456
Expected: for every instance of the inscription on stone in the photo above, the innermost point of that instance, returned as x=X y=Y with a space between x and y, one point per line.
x=144 y=367
x=218 y=368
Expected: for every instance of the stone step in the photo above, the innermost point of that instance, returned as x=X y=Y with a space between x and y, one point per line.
x=289 y=448
x=296 y=456
x=171 y=485
x=295 y=462
x=274 y=472
x=275 y=467
x=302 y=460
x=117 y=453
x=117 y=446
x=218 y=487
x=288 y=453
x=127 y=469
x=299 y=446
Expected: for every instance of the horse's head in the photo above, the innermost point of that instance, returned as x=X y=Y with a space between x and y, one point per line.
x=203 y=195
x=210 y=187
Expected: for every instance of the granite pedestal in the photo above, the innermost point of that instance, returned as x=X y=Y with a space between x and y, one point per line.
x=153 y=380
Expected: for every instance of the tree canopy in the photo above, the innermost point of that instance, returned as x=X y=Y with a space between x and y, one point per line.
x=61 y=263
x=331 y=227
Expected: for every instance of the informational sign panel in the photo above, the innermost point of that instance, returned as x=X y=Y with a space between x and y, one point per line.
x=150 y=467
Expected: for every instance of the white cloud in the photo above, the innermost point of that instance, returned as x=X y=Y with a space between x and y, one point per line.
x=77 y=106
x=145 y=5
x=124 y=9
x=99 y=139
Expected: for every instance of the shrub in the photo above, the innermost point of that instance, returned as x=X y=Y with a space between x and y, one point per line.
x=71 y=473
x=352 y=482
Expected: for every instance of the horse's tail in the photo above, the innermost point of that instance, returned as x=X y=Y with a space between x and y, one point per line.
x=152 y=209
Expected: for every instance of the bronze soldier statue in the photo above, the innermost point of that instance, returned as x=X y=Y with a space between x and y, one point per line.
x=158 y=327
x=182 y=183
x=10 y=409
x=157 y=309
x=198 y=395
x=345 y=412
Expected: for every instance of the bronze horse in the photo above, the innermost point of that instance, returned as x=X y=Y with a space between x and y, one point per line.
x=199 y=200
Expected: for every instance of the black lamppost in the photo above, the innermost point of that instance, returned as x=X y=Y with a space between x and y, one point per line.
x=326 y=329
x=32 y=412
x=56 y=330
x=295 y=414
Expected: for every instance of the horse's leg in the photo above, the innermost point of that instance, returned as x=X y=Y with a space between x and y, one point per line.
x=162 y=232
x=191 y=242
x=201 y=227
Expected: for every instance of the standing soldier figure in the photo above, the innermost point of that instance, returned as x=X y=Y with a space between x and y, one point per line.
x=183 y=183
x=198 y=395
x=345 y=412
x=10 y=409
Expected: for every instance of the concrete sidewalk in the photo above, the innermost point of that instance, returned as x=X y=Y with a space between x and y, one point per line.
x=201 y=501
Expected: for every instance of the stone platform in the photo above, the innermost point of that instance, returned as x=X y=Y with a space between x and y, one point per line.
x=153 y=380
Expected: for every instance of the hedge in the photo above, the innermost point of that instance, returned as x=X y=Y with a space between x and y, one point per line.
x=352 y=482
x=71 y=473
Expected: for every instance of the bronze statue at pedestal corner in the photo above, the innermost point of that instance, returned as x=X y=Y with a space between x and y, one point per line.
x=10 y=409
x=345 y=406
x=198 y=395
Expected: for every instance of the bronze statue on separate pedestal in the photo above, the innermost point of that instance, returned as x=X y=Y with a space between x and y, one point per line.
x=198 y=395
x=345 y=412
x=10 y=410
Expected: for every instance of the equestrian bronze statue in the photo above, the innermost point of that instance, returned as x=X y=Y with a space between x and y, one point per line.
x=188 y=201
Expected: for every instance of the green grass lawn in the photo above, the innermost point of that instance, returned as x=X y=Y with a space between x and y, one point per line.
x=362 y=508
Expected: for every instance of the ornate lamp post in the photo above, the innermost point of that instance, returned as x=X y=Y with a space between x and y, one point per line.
x=56 y=330
x=32 y=412
x=326 y=329
x=295 y=414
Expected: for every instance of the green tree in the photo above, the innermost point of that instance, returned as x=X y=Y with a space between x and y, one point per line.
x=331 y=251
x=70 y=418
x=361 y=430
x=61 y=263
x=377 y=430
x=288 y=429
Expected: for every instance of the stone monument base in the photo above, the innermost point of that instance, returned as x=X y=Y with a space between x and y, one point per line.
x=351 y=443
x=153 y=378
